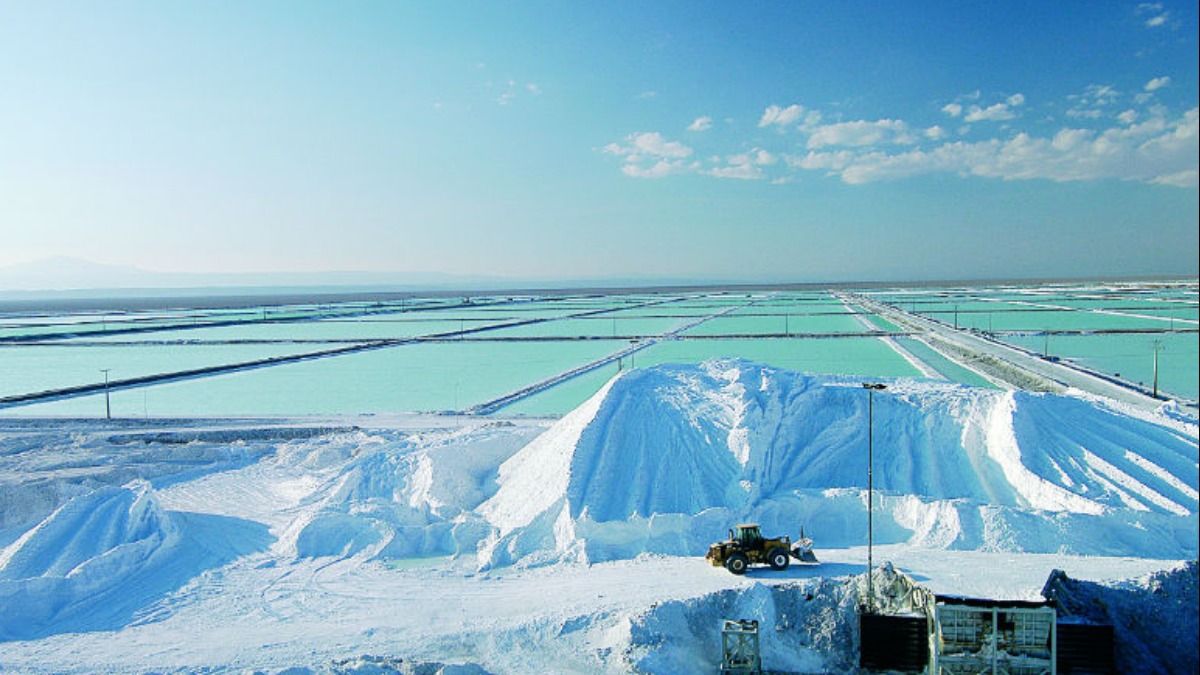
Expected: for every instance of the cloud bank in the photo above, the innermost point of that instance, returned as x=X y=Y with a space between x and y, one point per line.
x=1104 y=135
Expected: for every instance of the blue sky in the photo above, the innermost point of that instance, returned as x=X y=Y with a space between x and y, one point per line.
x=739 y=141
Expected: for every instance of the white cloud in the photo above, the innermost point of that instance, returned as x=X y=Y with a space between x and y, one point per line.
x=1092 y=103
x=1184 y=179
x=997 y=112
x=1157 y=16
x=1158 y=151
x=1067 y=140
x=781 y=116
x=1157 y=83
x=833 y=162
x=701 y=124
x=740 y=171
x=512 y=89
x=1100 y=94
x=649 y=143
x=1146 y=144
x=658 y=169
x=649 y=155
x=746 y=165
x=860 y=133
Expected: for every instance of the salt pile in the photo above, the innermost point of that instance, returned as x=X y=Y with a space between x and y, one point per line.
x=71 y=566
x=663 y=459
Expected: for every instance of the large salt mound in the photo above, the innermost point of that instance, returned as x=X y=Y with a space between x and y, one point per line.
x=102 y=556
x=664 y=459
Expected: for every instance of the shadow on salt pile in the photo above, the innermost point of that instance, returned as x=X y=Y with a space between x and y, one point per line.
x=101 y=557
x=1155 y=618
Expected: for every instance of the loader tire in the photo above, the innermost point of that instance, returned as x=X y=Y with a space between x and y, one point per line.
x=778 y=559
x=737 y=563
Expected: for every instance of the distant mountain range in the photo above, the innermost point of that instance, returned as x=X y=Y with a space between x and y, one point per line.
x=62 y=277
x=64 y=274
x=67 y=274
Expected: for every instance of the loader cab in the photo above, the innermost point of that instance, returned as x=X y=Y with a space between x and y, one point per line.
x=747 y=536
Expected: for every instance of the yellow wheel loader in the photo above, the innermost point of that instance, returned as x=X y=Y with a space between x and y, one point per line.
x=746 y=546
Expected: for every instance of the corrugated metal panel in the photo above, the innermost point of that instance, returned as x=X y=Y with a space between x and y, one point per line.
x=895 y=643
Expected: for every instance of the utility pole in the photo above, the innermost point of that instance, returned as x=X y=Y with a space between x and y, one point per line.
x=1156 y=345
x=107 y=403
x=871 y=388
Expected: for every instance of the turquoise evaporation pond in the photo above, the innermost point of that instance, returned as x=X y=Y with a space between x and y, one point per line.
x=786 y=306
x=96 y=324
x=1131 y=356
x=1162 y=304
x=842 y=356
x=1006 y=319
x=698 y=308
x=603 y=325
x=733 y=324
x=798 y=299
x=1121 y=305
x=567 y=396
x=31 y=368
x=946 y=367
x=414 y=377
x=877 y=322
x=674 y=310
x=868 y=357
x=511 y=311
x=330 y=329
x=377 y=326
x=1131 y=305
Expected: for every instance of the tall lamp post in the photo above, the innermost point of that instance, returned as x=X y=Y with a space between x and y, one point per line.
x=1156 y=345
x=871 y=388
x=107 y=404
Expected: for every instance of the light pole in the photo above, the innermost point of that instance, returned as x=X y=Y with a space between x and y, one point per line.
x=1156 y=344
x=871 y=388
x=107 y=404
